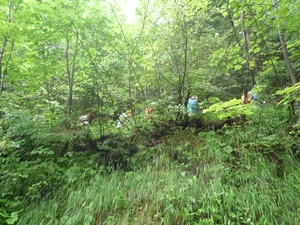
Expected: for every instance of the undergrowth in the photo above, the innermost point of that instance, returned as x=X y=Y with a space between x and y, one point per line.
x=242 y=174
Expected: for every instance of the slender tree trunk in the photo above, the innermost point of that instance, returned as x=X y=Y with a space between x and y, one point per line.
x=1 y=63
x=71 y=70
x=185 y=73
x=287 y=58
x=247 y=56
x=260 y=34
x=245 y=48
x=185 y=78
x=4 y=42
x=132 y=72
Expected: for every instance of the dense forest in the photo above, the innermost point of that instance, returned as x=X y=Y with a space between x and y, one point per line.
x=96 y=122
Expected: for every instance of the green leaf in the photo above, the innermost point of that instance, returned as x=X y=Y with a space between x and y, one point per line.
x=14 y=216
x=237 y=67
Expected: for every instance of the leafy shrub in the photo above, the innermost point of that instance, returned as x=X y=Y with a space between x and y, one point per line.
x=116 y=150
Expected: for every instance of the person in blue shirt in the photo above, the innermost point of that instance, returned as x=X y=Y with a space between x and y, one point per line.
x=193 y=107
x=255 y=98
x=253 y=95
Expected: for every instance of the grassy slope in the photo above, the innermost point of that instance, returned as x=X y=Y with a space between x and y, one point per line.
x=241 y=175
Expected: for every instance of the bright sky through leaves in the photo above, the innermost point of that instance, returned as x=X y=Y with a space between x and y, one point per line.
x=128 y=8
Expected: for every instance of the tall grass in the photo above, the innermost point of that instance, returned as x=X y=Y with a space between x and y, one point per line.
x=150 y=196
x=240 y=175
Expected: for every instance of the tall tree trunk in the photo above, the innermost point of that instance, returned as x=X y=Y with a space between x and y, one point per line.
x=1 y=63
x=185 y=82
x=287 y=58
x=71 y=70
x=247 y=56
x=4 y=42
x=246 y=47
x=185 y=74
